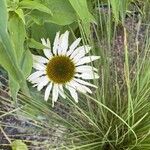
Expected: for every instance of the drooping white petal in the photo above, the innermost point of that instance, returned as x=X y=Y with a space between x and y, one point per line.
x=80 y=87
x=84 y=82
x=35 y=75
x=34 y=85
x=73 y=93
x=77 y=86
x=64 y=43
x=85 y=68
x=87 y=89
x=47 y=91
x=43 y=82
x=61 y=91
x=56 y=43
x=80 y=52
x=39 y=59
x=73 y=46
x=39 y=66
x=55 y=93
x=36 y=80
x=87 y=59
x=89 y=75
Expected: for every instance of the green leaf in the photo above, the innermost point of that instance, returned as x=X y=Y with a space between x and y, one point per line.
x=3 y=15
x=20 y=13
x=83 y=13
x=7 y=57
x=63 y=13
x=34 y=44
x=115 y=9
x=19 y=145
x=82 y=10
x=26 y=67
x=14 y=88
x=17 y=33
x=7 y=54
x=28 y=4
x=26 y=63
x=5 y=61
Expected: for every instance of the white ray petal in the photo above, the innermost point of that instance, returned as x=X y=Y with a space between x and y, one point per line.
x=73 y=46
x=84 y=82
x=80 y=87
x=56 y=43
x=73 y=93
x=44 y=42
x=43 y=82
x=47 y=51
x=89 y=75
x=34 y=85
x=59 y=49
x=77 y=86
x=48 y=43
x=36 y=80
x=47 y=91
x=80 y=51
x=64 y=43
x=61 y=91
x=55 y=93
x=87 y=59
x=39 y=66
x=35 y=75
x=87 y=89
x=85 y=68
x=39 y=59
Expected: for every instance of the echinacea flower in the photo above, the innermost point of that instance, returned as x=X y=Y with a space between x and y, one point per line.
x=63 y=67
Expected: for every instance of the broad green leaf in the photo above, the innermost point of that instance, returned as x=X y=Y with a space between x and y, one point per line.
x=24 y=58
x=19 y=145
x=7 y=54
x=7 y=57
x=26 y=67
x=28 y=4
x=17 y=34
x=63 y=13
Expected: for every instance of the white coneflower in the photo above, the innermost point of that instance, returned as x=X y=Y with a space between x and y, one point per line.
x=63 y=66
